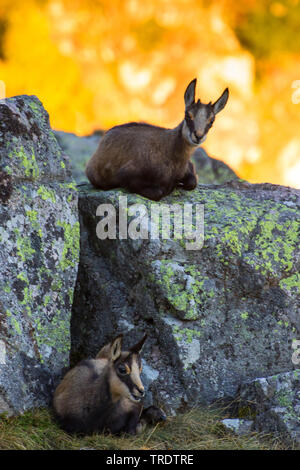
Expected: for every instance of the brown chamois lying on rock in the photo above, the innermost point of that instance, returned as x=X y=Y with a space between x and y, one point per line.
x=152 y=161
x=104 y=394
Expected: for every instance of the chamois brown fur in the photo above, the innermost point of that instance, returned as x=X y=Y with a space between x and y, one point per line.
x=104 y=394
x=150 y=160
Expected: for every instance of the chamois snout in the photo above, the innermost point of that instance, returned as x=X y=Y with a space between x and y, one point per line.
x=138 y=394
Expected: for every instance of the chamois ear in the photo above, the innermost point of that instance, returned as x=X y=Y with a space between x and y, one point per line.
x=220 y=103
x=111 y=349
x=116 y=348
x=104 y=352
x=189 y=95
x=138 y=347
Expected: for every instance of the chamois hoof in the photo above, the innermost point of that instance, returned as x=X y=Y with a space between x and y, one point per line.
x=141 y=427
x=190 y=187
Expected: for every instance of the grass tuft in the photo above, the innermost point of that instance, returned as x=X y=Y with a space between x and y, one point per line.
x=197 y=429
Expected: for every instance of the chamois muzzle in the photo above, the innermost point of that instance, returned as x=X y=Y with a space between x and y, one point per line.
x=138 y=394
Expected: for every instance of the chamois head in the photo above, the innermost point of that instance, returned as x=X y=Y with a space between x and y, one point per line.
x=124 y=369
x=199 y=117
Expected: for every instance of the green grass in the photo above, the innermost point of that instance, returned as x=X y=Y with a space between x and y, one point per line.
x=196 y=429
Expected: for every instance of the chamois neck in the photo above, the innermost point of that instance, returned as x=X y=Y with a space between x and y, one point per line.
x=182 y=149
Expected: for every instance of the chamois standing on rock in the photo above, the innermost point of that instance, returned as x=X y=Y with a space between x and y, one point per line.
x=152 y=161
x=105 y=393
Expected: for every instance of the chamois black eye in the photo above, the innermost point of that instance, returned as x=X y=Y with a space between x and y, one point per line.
x=122 y=370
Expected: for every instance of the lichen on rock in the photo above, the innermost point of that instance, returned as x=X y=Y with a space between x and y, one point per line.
x=39 y=238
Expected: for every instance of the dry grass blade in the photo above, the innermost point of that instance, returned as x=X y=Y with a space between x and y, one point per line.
x=197 y=429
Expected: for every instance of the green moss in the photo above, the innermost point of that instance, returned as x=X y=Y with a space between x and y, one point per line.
x=174 y=289
x=7 y=288
x=230 y=223
x=291 y=283
x=27 y=296
x=184 y=288
x=15 y=324
x=8 y=170
x=285 y=400
x=231 y=238
x=185 y=334
x=71 y=295
x=277 y=241
x=54 y=334
x=24 y=248
x=46 y=194
x=70 y=254
x=32 y=215
x=244 y=315
x=35 y=107
x=71 y=185
x=56 y=284
x=46 y=300
x=28 y=162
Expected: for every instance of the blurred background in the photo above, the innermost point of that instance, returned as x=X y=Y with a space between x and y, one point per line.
x=97 y=63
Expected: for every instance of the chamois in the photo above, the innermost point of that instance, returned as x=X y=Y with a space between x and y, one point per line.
x=152 y=161
x=105 y=393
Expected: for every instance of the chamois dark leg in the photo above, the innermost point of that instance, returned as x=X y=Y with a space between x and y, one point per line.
x=138 y=186
x=131 y=427
x=155 y=193
x=118 y=424
x=190 y=180
x=144 y=184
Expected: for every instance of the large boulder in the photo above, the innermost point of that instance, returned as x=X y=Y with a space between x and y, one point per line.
x=211 y=170
x=39 y=251
x=79 y=149
x=274 y=404
x=216 y=316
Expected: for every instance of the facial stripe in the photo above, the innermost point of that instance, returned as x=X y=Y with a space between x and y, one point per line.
x=135 y=374
x=190 y=122
x=130 y=384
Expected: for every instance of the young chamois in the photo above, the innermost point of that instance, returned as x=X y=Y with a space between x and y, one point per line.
x=105 y=393
x=152 y=161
